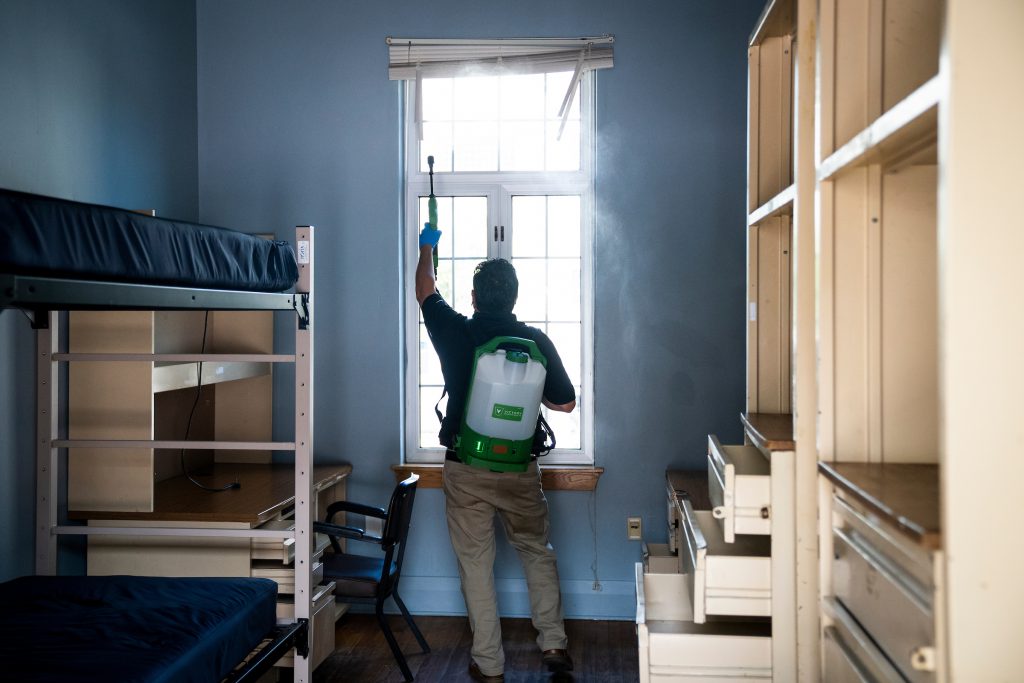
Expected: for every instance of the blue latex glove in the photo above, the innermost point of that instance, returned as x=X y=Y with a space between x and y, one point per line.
x=430 y=236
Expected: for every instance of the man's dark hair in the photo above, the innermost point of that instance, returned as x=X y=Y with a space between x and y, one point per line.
x=496 y=286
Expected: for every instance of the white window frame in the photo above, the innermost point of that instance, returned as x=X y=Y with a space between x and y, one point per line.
x=499 y=188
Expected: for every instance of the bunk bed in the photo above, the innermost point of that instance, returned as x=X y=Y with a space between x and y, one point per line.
x=56 y=256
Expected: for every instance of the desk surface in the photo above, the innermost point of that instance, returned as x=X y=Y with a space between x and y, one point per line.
x=905 y=495
x=769 y=431
x=265 y=491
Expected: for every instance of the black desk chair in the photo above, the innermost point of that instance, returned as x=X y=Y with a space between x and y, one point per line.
x=361 y=578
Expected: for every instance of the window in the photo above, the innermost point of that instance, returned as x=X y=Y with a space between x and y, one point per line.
x=513 y=180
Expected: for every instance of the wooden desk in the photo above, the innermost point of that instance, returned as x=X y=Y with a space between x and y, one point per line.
x=266 y=491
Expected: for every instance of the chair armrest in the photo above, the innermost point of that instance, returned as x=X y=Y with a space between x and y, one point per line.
x=337 y=530
x=358 y=508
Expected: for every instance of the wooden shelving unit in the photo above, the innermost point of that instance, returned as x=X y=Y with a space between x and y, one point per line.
x=901 y=217
x=880 y=92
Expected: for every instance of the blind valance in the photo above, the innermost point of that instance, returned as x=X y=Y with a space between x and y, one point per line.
x=419 y=58
x=440 y=57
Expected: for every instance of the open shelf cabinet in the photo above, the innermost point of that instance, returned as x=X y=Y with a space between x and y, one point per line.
x=918 y=264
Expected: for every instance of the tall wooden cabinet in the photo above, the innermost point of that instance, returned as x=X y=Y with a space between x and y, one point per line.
x=884 y=357
x=919 y=334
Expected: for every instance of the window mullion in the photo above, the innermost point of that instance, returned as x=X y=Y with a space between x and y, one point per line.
x=504 y=205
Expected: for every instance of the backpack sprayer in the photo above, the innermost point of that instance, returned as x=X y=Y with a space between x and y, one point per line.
x=504 y=396
x=502 y=405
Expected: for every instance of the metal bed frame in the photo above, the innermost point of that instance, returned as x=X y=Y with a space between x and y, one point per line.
x=44 y=298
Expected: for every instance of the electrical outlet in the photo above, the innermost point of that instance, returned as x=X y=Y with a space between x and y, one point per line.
x=634 y=528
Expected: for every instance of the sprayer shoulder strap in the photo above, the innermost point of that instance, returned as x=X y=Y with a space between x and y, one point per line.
x=476 y=337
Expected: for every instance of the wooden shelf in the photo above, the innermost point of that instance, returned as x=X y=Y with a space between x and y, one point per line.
x=266 y=491
x=779 y=205
x=693 y=484
x=905 y=495
x=172 y=376
x=553 y=477
x=777 y=19
x=769 y=431
x=908 y=130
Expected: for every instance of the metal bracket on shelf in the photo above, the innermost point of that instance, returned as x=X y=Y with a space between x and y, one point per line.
x=301 y=305
x=302 y=638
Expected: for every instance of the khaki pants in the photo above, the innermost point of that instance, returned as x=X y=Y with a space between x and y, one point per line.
x=472 y=497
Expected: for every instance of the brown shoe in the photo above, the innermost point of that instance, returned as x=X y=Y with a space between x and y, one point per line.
x=557 y=660
x=477 y=675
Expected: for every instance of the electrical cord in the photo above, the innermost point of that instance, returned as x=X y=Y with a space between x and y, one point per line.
x=191 y=414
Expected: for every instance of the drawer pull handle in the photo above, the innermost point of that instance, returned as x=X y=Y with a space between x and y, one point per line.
x=766 y=512
x=718 y=512
x=923 y=658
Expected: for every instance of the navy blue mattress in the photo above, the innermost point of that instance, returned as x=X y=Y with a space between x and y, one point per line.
x=130 y=628
x=58 y=238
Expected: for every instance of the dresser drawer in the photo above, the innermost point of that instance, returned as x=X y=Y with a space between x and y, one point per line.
x=283 y=575
x=739 y=485
x=674 y=648
x=723 y=578
x=659 y=559
x=848 y=653
x=280 y=549
x=887 y=584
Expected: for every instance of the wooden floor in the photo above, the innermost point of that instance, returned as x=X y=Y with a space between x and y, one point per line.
x=602 y=651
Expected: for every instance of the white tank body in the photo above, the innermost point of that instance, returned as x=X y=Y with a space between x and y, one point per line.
x=500 y=389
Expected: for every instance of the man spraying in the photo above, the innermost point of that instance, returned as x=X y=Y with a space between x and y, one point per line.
x=475 y=492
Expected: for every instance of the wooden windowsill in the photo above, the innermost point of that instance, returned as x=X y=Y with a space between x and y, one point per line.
x=553 y=477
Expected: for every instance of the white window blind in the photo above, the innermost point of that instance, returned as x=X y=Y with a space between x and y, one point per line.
x=418 y=58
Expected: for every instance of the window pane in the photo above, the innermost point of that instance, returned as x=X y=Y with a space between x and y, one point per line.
x=437 y=99
x=476 y=98
x=522 y=146
x=564 y=226
x=557 y=84
x=469 y=227
x=429 y=426
x=532 y=289
x=522 y=97
x=563 y=289
x=528 y=225
x=566 y=338
x=566 y=426
x=564 y=154
x=430 y=365
x=463 y=302
x=475 y=146
x=437 y=142
x=444 y=278
x=444 y=222
x=465 y=118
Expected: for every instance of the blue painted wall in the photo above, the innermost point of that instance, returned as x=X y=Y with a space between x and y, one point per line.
x=299 y=124
x=97 y=103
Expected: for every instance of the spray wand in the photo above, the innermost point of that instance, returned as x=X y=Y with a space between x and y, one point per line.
x=432 y=208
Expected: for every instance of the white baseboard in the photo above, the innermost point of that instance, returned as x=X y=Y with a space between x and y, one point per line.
x=442 y=596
